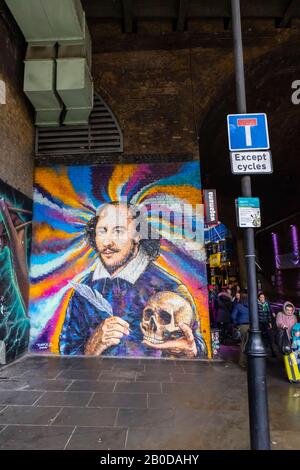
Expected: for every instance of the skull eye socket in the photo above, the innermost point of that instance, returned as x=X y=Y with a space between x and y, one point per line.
x=148 y=312
x=165 y=317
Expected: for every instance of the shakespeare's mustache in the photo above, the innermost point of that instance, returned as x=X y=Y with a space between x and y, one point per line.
x=108 y=251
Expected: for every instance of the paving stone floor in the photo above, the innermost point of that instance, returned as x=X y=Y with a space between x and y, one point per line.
x=101 y=403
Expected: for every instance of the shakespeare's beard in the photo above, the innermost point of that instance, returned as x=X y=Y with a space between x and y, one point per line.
x=117 y=260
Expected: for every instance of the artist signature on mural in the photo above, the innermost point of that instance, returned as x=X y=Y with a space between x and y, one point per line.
x=43 y=346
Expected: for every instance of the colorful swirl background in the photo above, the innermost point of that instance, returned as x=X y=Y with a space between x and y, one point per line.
x=66 y=198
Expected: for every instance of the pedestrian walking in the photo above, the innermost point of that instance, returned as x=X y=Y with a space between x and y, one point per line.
x=296 y=341
x=240 y=318
x=265 y=321
x=224 y=313
x=285 y=319
x=237 y=298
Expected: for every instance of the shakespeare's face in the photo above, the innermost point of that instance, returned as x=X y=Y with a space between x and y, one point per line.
x=116 y=237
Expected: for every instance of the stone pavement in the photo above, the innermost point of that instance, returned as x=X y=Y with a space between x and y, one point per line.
x=101 y=403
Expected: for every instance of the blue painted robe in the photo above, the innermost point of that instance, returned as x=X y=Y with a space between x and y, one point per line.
x=128 y=300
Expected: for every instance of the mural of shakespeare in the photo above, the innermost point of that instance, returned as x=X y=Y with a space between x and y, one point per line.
x=15 y=237
x=118 y=262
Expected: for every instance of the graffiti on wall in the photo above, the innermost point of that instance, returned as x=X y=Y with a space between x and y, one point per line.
x=118 y=261
x=15 y=235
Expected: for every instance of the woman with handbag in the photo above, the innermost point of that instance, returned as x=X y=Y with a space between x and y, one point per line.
x=286 y=320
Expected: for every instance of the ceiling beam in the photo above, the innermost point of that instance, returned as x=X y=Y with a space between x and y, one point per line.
x=182 y=10
x=288 y=14
x=127 y=15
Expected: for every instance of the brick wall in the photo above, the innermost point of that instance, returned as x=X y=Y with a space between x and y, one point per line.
x=16 y=128
x=151 y=94
x=162 y=87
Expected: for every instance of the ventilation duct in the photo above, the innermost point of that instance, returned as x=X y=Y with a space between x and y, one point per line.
x=49 y=20
x=74 y=85
x=57 y=77
x=39 y=86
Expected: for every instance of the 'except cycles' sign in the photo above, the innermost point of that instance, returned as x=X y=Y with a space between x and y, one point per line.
x=249 y=163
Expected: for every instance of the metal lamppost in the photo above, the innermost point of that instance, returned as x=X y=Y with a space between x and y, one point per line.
x=257 y=386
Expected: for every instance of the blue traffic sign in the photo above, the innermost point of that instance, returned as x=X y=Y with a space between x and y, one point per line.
x=248 y=132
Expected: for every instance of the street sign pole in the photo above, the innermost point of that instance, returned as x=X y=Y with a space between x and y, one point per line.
x=257 y=387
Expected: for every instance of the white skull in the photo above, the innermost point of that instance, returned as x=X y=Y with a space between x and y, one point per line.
x=162 y=314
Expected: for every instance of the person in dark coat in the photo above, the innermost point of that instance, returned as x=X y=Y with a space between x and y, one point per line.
x=236 y=298
x=240 y=318
x=223 y=314
x=265 y=321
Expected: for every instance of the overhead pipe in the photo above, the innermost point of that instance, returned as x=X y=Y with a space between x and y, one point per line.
x=57 y=78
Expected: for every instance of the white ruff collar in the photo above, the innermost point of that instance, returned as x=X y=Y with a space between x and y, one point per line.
x=130 y=272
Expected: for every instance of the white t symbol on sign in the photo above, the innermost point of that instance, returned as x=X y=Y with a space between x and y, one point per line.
x=247 y=124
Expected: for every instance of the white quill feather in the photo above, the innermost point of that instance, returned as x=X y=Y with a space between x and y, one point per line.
x=93 y=296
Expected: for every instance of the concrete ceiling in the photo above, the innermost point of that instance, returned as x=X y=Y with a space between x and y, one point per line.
x=154 y=24
x=128 y=13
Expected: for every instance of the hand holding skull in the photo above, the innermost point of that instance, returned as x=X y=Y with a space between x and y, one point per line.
x=185 y=345
x=167 y=324
x=108 y=333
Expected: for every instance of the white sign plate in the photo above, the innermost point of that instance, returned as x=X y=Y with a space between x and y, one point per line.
x=251 y=163
x=248 y=211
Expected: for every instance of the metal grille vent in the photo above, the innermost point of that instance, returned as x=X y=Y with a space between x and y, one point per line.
x=102 y=135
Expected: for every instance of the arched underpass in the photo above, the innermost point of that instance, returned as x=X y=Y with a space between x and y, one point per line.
x=269 y=82
x=158 y=67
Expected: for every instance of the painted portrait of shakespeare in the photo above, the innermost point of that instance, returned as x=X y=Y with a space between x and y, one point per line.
x=105 y=311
